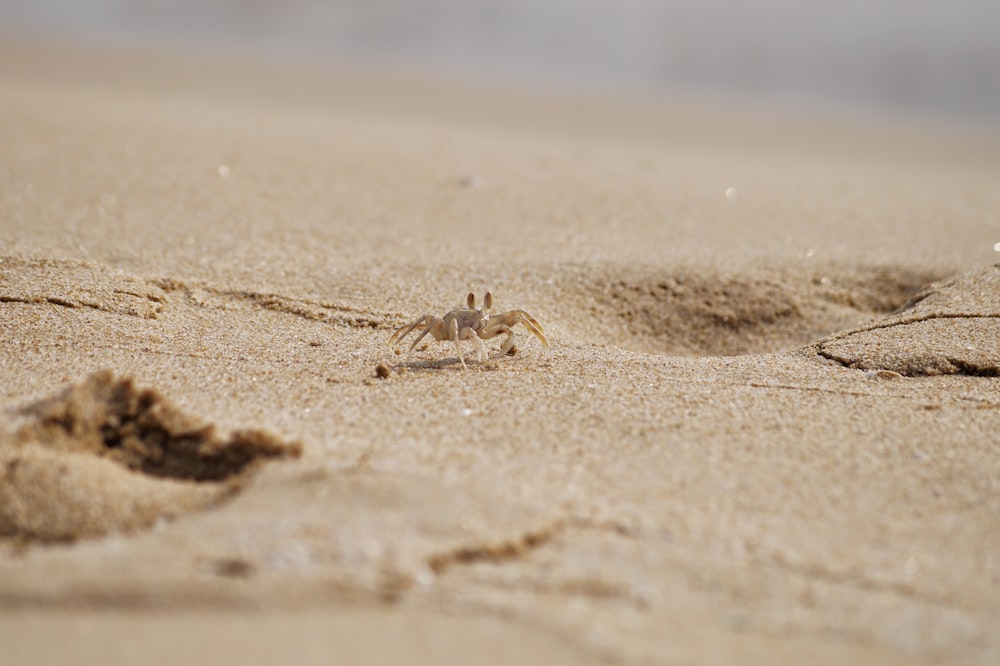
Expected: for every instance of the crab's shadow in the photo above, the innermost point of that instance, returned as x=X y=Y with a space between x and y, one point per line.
x=425 y=365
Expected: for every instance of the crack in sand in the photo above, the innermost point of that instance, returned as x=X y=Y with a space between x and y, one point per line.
x=495 y=552
x=890 y=323
x=953 y=330
x=594 y=589
x=517 y=548
x=77 y=284
x=313 y=310
x=961 y=367
x=856 y=581
x=818 y=389
x=80 y=303
x=815 y=571
x=921 y=356
x=598 y=589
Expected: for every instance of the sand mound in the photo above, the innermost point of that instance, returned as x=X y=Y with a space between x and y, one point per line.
x=104 y=457
x=48 y=496
x=952 y=327
x=703 y=312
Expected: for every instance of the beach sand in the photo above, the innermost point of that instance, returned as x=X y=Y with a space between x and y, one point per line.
x=765 y=429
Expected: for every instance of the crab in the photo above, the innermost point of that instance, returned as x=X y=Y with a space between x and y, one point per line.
x=473 y=324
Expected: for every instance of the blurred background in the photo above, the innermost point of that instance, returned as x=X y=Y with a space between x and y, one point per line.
x=916 y=58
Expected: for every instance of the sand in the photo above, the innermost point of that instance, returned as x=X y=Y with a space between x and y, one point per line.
x=765 y=430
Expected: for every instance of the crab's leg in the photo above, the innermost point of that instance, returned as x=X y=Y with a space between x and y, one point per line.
x=419 y=338
x=509 y=342
x=477 y=343
x=480 y=347
x=406 y=330
x=500 y=328
x=531 y=324
x=510 y=319
x=453 y=335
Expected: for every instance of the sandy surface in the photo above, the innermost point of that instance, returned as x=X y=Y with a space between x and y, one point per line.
x=765 y=430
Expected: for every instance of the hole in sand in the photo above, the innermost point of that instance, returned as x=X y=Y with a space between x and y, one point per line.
x=699 y=312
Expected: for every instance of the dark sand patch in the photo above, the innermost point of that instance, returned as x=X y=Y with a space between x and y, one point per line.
x=104 y=456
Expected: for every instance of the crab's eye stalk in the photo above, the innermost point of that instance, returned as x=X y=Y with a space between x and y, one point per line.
x=471 y=300
x=488 y=300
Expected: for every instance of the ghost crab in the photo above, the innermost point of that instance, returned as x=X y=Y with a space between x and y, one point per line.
x=473 y=324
